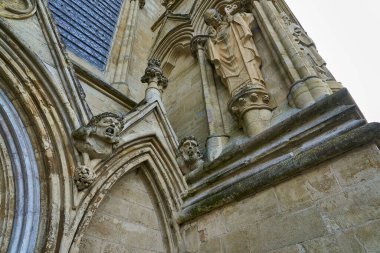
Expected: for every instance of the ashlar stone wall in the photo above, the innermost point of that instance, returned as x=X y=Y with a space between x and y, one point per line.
x=184 y=101
x=126 y=221
x=334 y=207
x=143 y=41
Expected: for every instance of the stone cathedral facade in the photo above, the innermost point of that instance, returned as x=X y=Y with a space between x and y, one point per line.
x=178 y=126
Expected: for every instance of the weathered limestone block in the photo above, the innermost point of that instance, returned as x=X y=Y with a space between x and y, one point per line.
x=95 y=141
x=190 y=157
x=232 y=51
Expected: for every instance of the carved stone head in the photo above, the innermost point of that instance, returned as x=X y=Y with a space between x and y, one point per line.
x=189 y=150
x=212 y=18
x=106 y=126
x=98 y=136
x=190 y=157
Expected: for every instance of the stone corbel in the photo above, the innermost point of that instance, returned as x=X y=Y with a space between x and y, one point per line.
x=95 y=141
x=250 y=105
x=190 y=157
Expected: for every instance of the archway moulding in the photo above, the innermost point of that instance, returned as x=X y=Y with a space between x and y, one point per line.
x=147 y=141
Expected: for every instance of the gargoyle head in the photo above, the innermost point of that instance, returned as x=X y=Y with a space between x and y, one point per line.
x=98 y=136
x=106 y=126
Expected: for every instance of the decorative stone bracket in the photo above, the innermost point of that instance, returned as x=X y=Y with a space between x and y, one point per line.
x=248 y=98
x=95 y=142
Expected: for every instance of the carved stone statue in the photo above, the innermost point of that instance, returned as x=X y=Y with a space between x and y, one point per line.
x=307 y=45
x=233 y=53
x=95 y=141
x=190 y=157
x=231 y=48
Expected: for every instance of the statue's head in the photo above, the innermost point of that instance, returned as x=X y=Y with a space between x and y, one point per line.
x=189 y=150
x=212 y=18
x=285 y=18
x=106 y=126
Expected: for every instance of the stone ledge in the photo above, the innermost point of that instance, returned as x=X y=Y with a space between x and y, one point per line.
x=320 y=132
x=298 y=120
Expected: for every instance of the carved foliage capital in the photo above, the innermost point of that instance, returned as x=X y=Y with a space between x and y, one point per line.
x=198 y=42
x=153 y=73
x=18 y=9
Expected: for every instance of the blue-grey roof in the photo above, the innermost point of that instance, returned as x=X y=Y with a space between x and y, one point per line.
x=87 y=27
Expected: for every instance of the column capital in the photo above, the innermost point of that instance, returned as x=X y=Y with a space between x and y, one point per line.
x=248 y=98
x=198 y=42
x=154 y=75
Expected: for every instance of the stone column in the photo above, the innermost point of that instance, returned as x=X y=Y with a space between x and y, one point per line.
x=117 y=68
x=308 y=85
x=217 y=137
x=155 y=79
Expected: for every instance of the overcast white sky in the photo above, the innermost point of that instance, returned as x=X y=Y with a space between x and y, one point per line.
x=347 y=35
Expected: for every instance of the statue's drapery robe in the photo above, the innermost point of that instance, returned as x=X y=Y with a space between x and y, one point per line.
x=234 y=54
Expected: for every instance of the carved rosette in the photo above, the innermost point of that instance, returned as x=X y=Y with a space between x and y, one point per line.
x=249 y=98
x=18 y=9
x=154 y=76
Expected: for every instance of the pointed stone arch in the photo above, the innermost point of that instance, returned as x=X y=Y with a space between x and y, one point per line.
x=158 y=165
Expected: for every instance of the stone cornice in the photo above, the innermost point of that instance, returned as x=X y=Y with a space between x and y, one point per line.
x=316 y=134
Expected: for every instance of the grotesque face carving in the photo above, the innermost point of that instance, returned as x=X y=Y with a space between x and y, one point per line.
x=212 y=18
x=98 y=136
x=189 y=150
x=108 y=128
